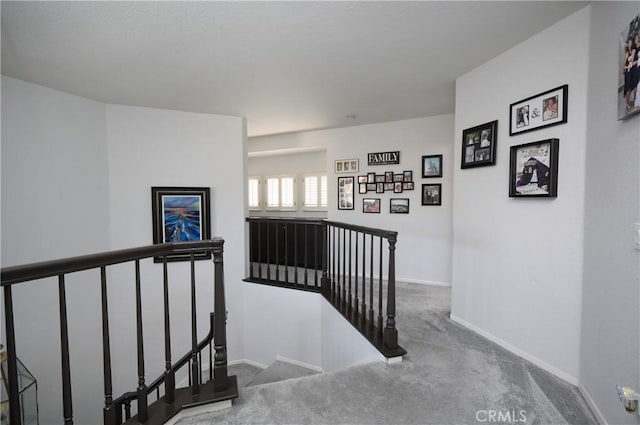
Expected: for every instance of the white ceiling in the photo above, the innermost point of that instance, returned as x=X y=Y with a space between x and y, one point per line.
x=286 y=66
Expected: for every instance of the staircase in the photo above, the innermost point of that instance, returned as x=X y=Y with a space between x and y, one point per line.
x=252 y=376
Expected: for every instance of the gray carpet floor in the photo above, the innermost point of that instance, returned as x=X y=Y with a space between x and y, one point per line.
x=449 y=376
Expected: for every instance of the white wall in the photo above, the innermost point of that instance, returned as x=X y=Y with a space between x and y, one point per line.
x=610 y=351
x=517 y=263
x=152 y=147
x=55 y=204
x=424 y=235
x=288 y=325
x=301 y=326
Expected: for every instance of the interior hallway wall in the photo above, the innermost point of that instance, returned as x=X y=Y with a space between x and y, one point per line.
x=517 y=263
x=610 y=350
x=55 y=204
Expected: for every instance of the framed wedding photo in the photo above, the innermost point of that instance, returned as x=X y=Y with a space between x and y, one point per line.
x=431 y=166
x=533 y=170
x=628 y=70
x=479 y=145
x=539 y=111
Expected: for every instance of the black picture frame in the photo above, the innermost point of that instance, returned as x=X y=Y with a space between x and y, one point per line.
x=533 y=169
x=362 y=188
x=407 y=176
x=399 y=206
x=345 y=193
x=479 y=145
x=181 y=214
x=432 y=194
x=371 y=205
x=539 y=111
x=431 y=166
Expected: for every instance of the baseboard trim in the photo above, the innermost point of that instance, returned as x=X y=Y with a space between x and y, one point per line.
x=299 y=363
x=247 y=361
x=422 y=282
x=594 y=408
x=517 y=351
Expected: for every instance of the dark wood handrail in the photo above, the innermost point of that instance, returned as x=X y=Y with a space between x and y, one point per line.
x=22 y=273
x=321 y=221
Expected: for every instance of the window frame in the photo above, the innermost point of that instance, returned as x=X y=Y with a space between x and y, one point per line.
x=319 y=206
x=279 y=207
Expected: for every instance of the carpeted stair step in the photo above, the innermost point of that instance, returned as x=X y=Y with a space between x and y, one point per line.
x=280 y=371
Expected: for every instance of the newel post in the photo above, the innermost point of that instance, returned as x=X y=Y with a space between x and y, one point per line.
x=220 y=381
x=390 y=333
x=325 y=282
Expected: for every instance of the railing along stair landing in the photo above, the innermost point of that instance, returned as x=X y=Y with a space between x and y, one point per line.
x=134 y=407
x=353 y=267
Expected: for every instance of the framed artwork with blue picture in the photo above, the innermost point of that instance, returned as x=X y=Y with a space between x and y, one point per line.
x=181 y=214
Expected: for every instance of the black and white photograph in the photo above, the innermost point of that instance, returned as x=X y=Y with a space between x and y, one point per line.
x=399 y=205
x=533 y=170
x=432 y=194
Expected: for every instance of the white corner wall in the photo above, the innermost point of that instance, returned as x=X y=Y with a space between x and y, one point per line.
x=55 y=204
x=517 y=263
x=301 y=327
x=152 y=147
x=610 y=351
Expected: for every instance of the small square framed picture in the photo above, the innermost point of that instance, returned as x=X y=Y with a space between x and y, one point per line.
x=388 y=177
x=431 y=166
x=371 y=187
x=388 y=186
x=397 y=187
x=432 y=194
x=533 y=171
x=362 y=188
x=407 y=176
x=397 y=177
x=371 y=205
x=371 y=177
x=407 y=186
x=399 y=205
x=362 y=179
x=379 y=187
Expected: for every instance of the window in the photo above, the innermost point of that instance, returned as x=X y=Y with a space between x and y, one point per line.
x=315 y=191
x=254 y=193
x=281 y=192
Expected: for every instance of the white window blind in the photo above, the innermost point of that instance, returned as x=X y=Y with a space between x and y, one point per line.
x=254 y=192
x=273 y=192
x=281 y=192
x=315 y=191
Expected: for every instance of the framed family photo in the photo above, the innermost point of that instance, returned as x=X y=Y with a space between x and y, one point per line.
x=345 y=193
x=431 y=166
x=629 y=71
x=479 y=145
x=539 y=111
x=432 y=194
x=533 y=170
x=346 y=166
x=181 y=214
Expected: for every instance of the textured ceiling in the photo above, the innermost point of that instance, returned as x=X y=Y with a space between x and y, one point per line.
x=286 y=66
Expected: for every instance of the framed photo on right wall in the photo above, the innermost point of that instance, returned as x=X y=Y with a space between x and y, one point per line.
x=533 y=170
x=479 y=145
